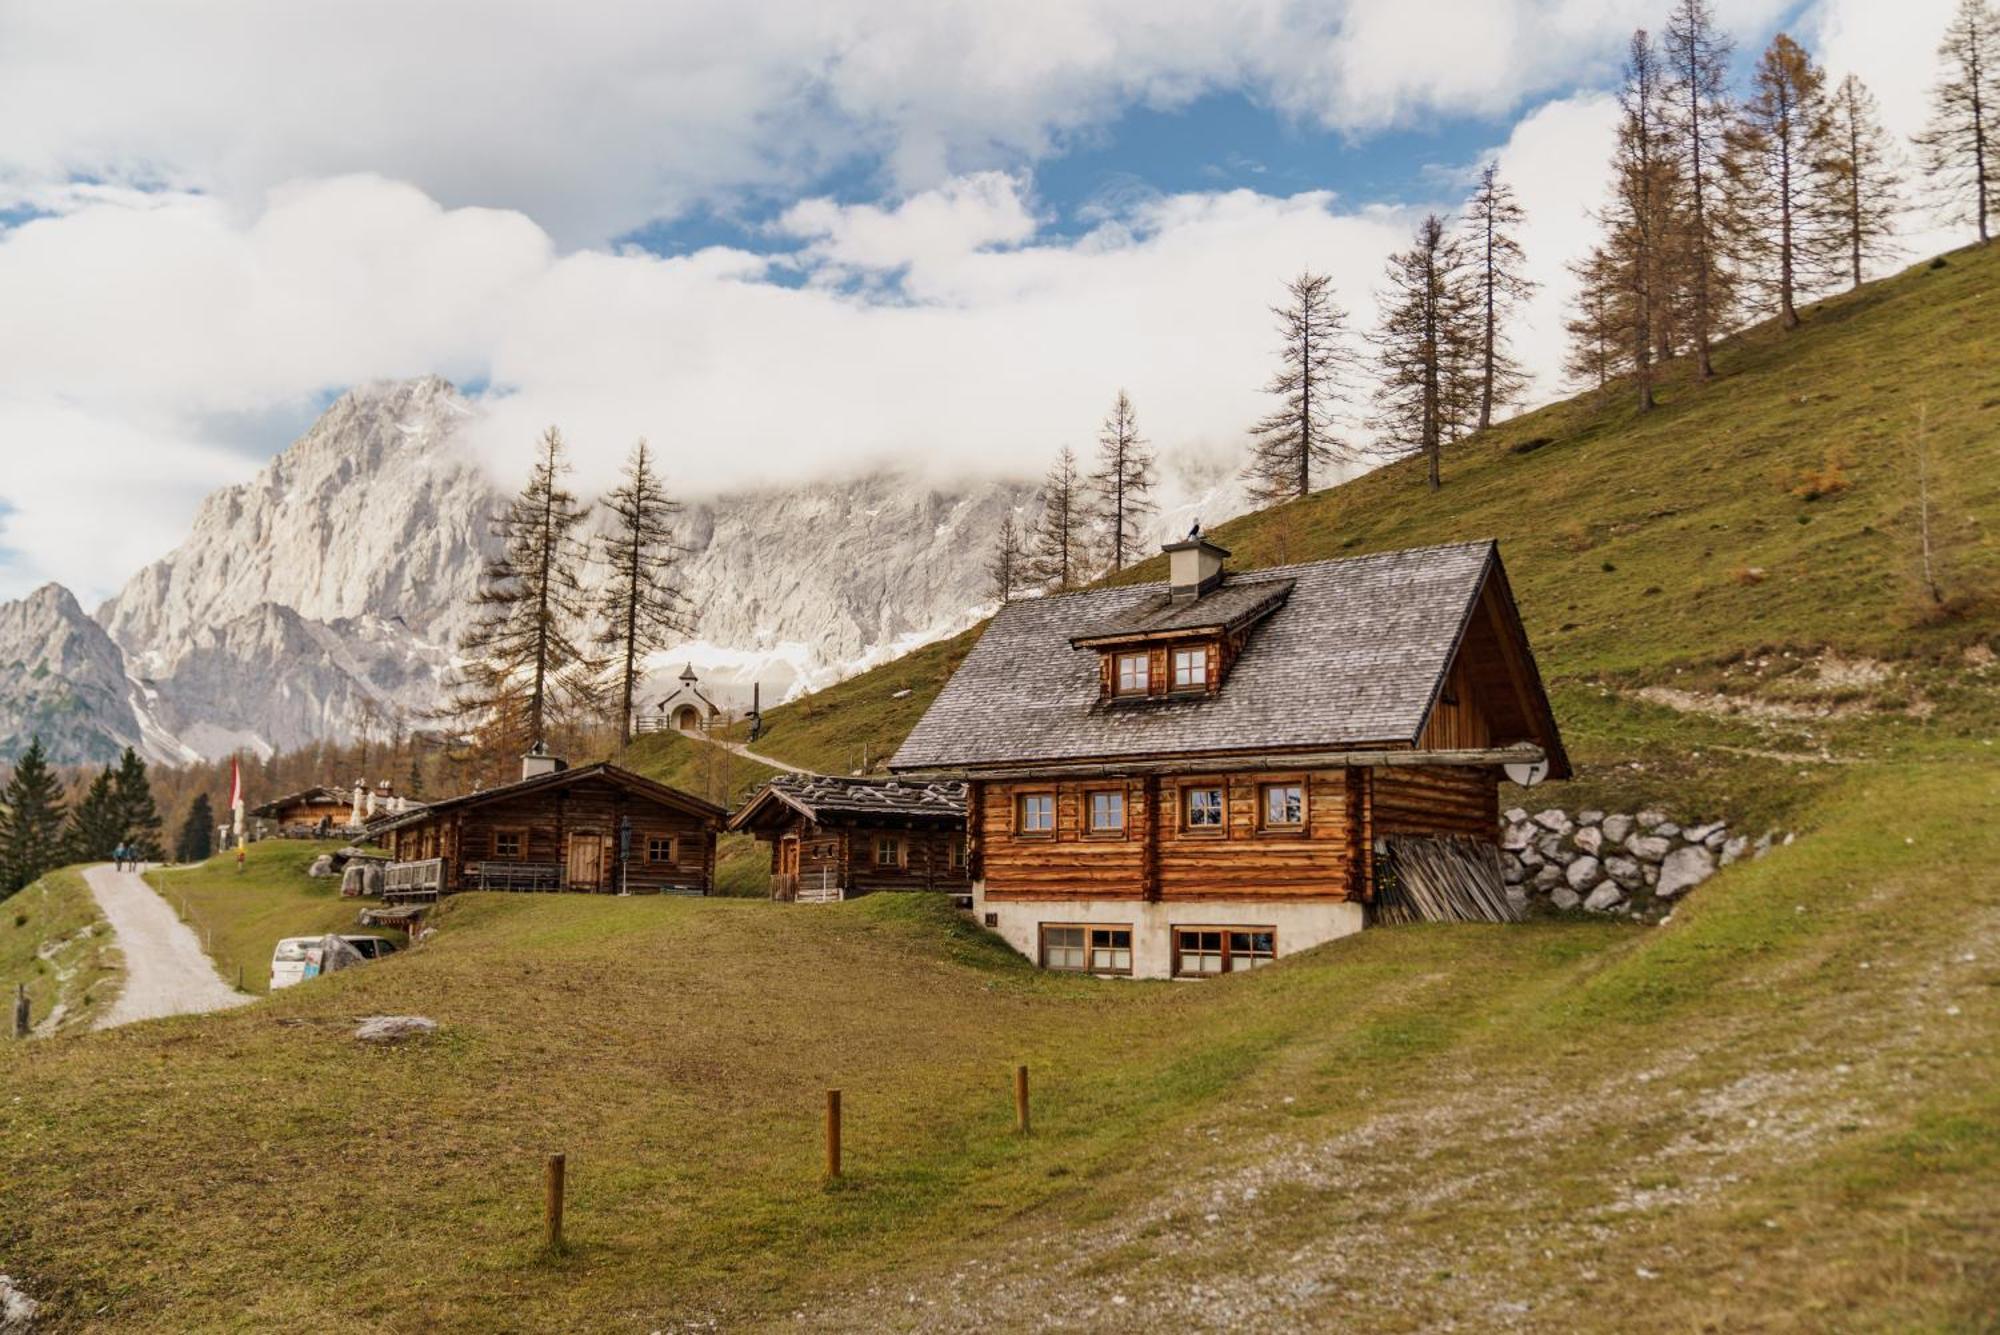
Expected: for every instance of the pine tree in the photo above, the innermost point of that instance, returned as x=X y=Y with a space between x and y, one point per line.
x=1779 y=146
x=1428 y=348
x=138 y=816
x=197 y=837
x=1122 y=486
x=1956 y=147
x=525 y=665
x=31 y=821
x=1490 y=220
x=1060 y=560
x=643 y=608
x=96 y=824
x=414 y=785
x=1697 y=100
x=1311 y=385
x=1008 y=566
x=1639 y=229
x=1862 y=179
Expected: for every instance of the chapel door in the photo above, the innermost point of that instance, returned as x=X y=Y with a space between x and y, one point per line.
x=586 y=861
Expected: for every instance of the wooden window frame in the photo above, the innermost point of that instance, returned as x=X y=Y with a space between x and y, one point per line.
x=1119 y=658
x=1091 y=829
x=902 y=851
x=954 y=852
x=1226 y=931
x=1174 y=683
x=673 y=843
x=1021 y=830
x=498 y=834
x=1090 y=947
x=1184 y=803
x=1265 y=825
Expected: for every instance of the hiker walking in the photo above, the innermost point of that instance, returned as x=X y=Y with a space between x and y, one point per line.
x=118 y=857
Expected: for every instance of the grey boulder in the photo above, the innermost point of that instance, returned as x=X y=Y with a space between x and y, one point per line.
x=394 y=1028
x=1647 y=847
x=1604 y=898
x=1617 y=829
x=1582 y=872
x=1684 y=869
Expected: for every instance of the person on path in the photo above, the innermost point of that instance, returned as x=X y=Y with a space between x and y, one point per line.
x=118 y=857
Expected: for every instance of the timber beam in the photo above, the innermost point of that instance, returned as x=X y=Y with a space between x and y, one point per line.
x=1235 y=764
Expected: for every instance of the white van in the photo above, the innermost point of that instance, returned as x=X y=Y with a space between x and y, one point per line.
x=298 y=958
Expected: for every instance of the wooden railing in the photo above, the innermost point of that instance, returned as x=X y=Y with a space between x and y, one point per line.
x=413 y=880
x=513 y=876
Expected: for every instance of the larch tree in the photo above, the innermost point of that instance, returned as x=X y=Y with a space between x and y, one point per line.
x=1639 y=222
x=1059 y=558
x=1596 y=325
x=641 y=605
x=1697 y=100
x=1299 y=437
x=138 y=814
x=31 y=821
x=1427 y=348
x=1956 y=147
x=1862 y=178
x=1780 y=143
x=196 y=840
x=1008 y=566
x=1122 y=487
x=1491 y=217
x=526 y=664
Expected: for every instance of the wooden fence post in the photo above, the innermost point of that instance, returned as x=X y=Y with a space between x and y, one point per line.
x=20 y=1010
x=833 y=1133
x=1021 y=1098
x=553 y=1207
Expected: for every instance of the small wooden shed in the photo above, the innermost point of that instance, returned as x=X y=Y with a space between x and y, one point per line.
x=835 y=838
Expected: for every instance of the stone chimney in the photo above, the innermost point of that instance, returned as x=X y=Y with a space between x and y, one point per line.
x=1194 y=566
x=538 y=762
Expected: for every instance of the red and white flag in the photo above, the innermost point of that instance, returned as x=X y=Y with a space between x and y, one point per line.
x=235 y=783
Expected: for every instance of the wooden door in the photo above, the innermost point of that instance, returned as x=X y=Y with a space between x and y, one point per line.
x=586 y=861
x=788 y=855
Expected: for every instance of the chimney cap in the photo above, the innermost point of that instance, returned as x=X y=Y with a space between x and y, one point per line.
x=1197 y=544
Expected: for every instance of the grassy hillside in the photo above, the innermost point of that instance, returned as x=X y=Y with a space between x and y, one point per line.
x=53 y=940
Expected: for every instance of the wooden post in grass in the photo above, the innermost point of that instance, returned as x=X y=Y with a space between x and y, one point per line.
x=1021 y=1099
x=552 y=1183
x=832 y=1133
x=20 y=1010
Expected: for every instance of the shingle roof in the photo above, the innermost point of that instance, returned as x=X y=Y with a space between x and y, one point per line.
x=624 y=778
x=822 y=797
x=1231 y=605
x=1354 y=656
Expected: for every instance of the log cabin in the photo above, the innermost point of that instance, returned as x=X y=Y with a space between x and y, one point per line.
x=836 y=838
x=309 y=810
x=596 y=829
x=1204 y=775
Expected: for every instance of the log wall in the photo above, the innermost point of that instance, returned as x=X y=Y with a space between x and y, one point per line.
x=1436 y=799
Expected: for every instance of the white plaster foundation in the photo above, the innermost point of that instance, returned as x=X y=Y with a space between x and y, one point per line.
x=1298 y=926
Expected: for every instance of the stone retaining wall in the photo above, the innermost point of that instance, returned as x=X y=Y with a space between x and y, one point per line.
x=1615 y=863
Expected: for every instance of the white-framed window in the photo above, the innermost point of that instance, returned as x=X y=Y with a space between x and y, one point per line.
x=1203 y=807
x=1190 y=669
x=1134 y=673
x=888 y=850
x=1075 y=948
x=1036 y=813
x=1201 y=952
x=1284 y=805
x=1107 y=811
x=660 y=848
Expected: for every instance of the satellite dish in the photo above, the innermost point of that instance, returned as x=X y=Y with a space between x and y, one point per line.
x=1528 y=773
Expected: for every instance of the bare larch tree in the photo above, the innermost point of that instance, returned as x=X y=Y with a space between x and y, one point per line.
x=1427 y=348
x=1863 y=178
x=1597 y=323
x=525 y=661
x=1122 y=486
x=1639 y=223
x=1780 y=144
x=1956 y=147
x=1059 y=560
x=1697 y=99
x=1007 y=569
x=1490 y=219
x=1311 y=384
x=641 y=604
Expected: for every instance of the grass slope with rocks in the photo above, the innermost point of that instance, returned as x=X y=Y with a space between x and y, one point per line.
x=54 y=942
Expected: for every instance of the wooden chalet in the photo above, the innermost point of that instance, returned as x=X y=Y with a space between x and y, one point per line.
x=597 y=829
x=835 y=838
x=1200 y=776
x=312 y=809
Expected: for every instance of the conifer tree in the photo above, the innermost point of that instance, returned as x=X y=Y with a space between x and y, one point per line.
x=1314 y=365
x=1428 y=348
x=138 y=816
x=1956 y=149
x=1596 y=324
x=1059 y=560
x=1122 y=486
x=1638 y=222
x=31 y=821
x=642 y=606
x=197 y=837
x=1862 y=179
x=526 y=665
x=1697 y=100
x=1008 y=567
x=1490 y=220
x=96 y=824
x=1779 y=147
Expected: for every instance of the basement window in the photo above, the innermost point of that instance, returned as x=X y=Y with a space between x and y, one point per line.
x=1079 y=949
x=1201 y=952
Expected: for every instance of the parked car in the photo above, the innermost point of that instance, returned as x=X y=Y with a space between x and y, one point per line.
x=298 y=958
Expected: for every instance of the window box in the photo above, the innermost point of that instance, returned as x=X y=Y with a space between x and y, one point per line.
x=1203 y=952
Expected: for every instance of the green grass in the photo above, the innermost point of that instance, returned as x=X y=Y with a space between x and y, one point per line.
x=241 y=916
x=55 y=942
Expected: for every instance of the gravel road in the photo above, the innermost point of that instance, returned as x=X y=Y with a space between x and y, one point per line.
x=166 y=972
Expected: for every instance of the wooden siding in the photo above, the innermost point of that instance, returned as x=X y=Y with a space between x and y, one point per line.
x=1458 y=717
x=844 y=856
x=1435 y=799
x=1155 y=857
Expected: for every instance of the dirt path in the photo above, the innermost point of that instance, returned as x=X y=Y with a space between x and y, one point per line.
x=166 y=972
x=740 y=749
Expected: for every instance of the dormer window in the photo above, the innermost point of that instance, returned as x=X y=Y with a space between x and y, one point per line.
x=1134 y=673
x=1191 y=669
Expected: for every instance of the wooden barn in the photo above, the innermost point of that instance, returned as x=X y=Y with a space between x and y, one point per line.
x=597 y=829
x=1200 y=776
x=835 y=838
